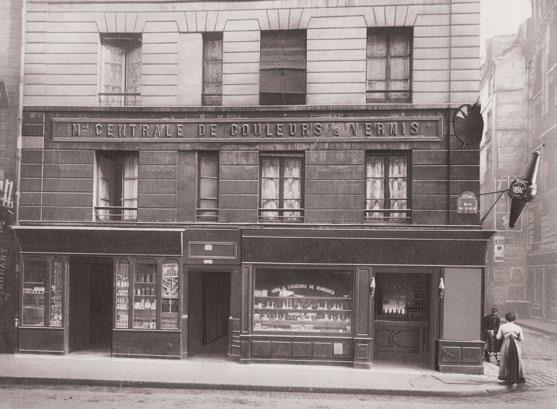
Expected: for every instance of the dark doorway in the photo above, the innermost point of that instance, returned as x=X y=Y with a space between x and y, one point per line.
x=91 y=288
x=209 y=309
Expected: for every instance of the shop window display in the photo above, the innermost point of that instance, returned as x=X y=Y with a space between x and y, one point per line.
x=56 y=294
x=145 y=296
x=402 y=297
x=122 y=294
x=169 y=296
x=298 y=300
x=34 y=292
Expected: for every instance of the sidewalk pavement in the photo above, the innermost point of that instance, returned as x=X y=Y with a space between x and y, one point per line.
x=215 y=374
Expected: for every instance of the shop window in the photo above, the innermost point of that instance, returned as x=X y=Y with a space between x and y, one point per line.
x=302 y=300
x=208 y=187
x=152 y=286
x=402 y=297
x=282 y=75
x=387 y=187
x=122 y=294
x=389 y=65
x=281 y=196
x=169 y=295
x=120 y=69
x=43 y=291
x=117 y=180
x=212 y=69
x=145 y=295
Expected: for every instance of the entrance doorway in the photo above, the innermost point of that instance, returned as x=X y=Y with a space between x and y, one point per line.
x=91 y=300
x=209 y=309
x=403 y=319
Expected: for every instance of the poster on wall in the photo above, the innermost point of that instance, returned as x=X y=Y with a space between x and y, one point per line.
x=170 y=280
x=499 y=249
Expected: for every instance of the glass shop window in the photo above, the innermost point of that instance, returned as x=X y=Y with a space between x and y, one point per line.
x=208 y=187
x=389 y=65
x=282 y=182
x=43 y=292
x=282 y=73
x=117 y=181
x=212 y=69
x=169 y=295
x=120 y=70
x=145 y=295
x=34 y=292
x=303 y=300
x=122 y=294
x=402 y=297
x=388 y=187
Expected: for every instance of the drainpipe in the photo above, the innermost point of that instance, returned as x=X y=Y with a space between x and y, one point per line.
x=19 y=143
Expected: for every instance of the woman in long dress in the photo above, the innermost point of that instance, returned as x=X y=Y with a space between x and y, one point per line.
x=511 y=369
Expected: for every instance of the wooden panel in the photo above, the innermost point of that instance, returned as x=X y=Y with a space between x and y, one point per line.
x=68 y=199
x=30 y=185
x=40 y=340
x=68 y=171
x=29 y=213
x=301 y=349
x=68 y=213
x=281 y=349
x=361 y=301
x=156 y=215
x=68 y=185
x=69 y=156
x=323 y=350
x=261 y=349
x=31 y=156
x=146 y=343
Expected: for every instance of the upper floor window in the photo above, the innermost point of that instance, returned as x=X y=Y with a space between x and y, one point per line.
x=389 y=65
x=120 y=69
x=281 y=196
x=208 y=186
x=387 y=187
x=117 y=180
x=282 y=75
x=212 y=69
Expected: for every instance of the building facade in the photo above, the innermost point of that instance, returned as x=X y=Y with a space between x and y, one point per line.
x=10 y=65
x=541 y=55
x=269 y=181
x=504 y=151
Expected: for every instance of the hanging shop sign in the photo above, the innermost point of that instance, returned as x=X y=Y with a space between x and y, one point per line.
x=157 y=130
x=467 y=203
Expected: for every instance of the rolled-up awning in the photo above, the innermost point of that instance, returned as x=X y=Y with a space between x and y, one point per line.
x=102 y=241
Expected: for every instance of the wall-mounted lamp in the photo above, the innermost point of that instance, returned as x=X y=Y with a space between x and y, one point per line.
x=372 y=287
x=441 y=287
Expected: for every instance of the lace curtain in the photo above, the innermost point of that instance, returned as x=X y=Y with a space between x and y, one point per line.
x=275 y=196
x=129 y=188
x=386 y=186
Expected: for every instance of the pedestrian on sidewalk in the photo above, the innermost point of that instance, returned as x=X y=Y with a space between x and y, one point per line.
x=511 y=370
x=490 y=327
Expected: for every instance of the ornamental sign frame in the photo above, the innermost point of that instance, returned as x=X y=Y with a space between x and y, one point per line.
x=295 y=129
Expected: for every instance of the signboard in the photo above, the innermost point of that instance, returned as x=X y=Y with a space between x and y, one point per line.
x=499 y=249
x=219 y=129
x=467 y=203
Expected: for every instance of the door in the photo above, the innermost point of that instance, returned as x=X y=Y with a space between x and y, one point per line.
x=209 y=309
x=91 y=302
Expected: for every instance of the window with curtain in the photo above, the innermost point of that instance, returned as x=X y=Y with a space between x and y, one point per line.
x=120 y=69
x=281 y=196
x=389 y=65
x=212 y=69
x=117 y=182
x=282 y=75
x=208 y=187
x=387 y=187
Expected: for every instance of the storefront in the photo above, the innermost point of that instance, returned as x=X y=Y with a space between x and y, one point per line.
x=330 y=297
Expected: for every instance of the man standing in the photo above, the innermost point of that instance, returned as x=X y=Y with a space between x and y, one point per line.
x=490 y=326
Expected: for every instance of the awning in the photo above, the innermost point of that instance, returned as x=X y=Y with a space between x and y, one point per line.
x=100 y=241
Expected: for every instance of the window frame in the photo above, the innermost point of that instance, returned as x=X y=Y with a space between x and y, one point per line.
x=127 y=42
x=280 y=210
x=206 y=37
x=200 y=178
x=120 y=216
x=387 y=218
x=388 y=32
x=283 y=95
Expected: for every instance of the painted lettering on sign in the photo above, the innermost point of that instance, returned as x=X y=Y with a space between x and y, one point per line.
x=248 y=129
